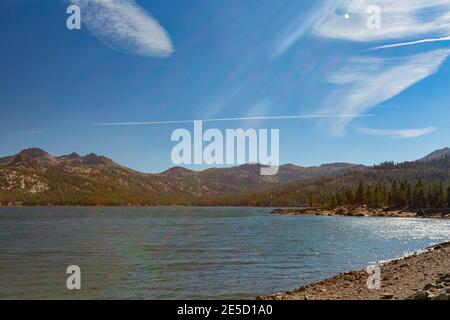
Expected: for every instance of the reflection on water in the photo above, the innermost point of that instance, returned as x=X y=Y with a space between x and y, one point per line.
x=190 y=253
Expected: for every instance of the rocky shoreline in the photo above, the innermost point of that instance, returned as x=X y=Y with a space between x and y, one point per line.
x=365 y=211
x=421 y=276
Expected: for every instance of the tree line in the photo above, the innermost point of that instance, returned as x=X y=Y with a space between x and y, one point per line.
x=399 y=194
x=419 y=184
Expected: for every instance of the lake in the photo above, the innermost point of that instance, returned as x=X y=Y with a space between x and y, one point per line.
x=191 y=253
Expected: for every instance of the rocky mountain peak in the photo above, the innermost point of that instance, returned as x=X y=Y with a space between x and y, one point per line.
x=94 y=159
x=73 y=155
x=177 y=172
x=35 y=153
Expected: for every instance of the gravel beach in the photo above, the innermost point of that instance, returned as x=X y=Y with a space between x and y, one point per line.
x=421 y=276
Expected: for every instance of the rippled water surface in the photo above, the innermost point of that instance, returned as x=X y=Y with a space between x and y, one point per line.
x=191 y=253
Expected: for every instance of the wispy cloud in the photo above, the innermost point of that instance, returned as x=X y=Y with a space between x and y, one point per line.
x=347 y=20
x=301 y=27
x=400 y=19
x=125 y=26
x=398 y=133
x=261 y=108
x=365 y=82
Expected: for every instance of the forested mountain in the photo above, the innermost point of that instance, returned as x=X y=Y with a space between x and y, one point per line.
x=34 y=177
x=420 y=184
x=436 y=155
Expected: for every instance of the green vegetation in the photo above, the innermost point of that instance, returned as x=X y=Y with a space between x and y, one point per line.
x=419 y=185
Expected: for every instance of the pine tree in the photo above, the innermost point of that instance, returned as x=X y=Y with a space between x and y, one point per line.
x=333 y=202
x=369 y=197
x=311 y=200
x=377 y=202
x=359 y=195
x=448 y=196
x=441 y=195
x=408 y=195
x=395 y=196
x=349 y=197
x=419 y=199
x=340 y=199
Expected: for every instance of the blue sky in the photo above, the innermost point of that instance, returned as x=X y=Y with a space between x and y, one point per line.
x=198 y=59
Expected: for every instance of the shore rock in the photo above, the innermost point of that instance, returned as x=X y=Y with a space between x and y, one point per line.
x=435 y=291
x=365 y=211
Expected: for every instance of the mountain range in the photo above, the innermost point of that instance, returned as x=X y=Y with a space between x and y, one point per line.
x=34 y=177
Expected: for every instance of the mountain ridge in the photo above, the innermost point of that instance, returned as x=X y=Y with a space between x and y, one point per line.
x=33 y=176
x=43 y=156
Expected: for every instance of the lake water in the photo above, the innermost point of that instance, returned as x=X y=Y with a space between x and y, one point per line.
x=191 y=253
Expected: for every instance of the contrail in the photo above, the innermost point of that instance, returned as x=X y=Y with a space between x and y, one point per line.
x=403 y=44
x=312 y=116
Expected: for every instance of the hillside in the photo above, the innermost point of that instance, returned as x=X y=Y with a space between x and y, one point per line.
x=418 y=184
x=436 y=155
x=34 y=177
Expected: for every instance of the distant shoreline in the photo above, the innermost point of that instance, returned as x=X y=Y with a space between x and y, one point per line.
x=344 y=211
x=421 y=276
x=132 y=206
x=364 y=211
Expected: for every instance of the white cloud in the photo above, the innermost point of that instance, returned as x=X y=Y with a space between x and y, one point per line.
x=398 y=133
x=399 y=19
x=125 y=26
x=365 y=82
x=347 y=20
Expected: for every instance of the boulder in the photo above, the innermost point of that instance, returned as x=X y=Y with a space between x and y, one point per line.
x=441 y=296
x=421 y=295
x=429 y=286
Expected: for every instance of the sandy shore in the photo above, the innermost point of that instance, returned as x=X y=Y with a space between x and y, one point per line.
x=364 y=211
x=422 y=276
